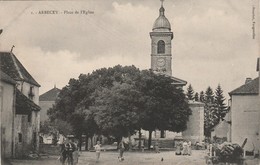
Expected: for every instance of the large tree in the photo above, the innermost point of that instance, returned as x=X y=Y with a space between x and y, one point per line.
x=117 y=110
x=220 y=103
x=209 y=116
x=165 y=106
x=215 y=109
x=76 y=98
x=209 y=95
x=121 y=100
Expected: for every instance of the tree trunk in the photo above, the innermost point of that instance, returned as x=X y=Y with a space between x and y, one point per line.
x=80 y=142
x=91 y=142
x=139 y=142
x=118 y=139
x=162 y=134
x=130 y=141
x=150 y=139
x=86 y=143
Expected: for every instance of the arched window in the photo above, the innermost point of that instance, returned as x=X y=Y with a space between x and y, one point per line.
x=161 y=47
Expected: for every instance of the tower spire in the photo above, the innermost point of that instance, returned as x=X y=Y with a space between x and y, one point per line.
x=162 y=2
x=162 y=9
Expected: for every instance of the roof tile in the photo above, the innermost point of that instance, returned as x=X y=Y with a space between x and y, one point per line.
x=23 y=105
x=13 y=67
x=50 y=95
x=250 y=88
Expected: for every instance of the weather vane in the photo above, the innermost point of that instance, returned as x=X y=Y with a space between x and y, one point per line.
x=12 y=48
x=162 y=2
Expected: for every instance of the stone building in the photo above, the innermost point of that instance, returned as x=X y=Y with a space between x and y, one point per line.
x=222 y=131
x=245 y=114
x=26 y=119
x=46 y=101
x=7 y=104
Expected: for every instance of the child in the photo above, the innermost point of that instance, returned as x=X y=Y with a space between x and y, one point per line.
x=121 y=150
x=98 y=150
x=156 y=147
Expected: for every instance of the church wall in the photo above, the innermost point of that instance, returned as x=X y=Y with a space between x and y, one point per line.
x=195 y=125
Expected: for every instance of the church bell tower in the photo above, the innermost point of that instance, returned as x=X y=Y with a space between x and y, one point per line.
x=161 y=36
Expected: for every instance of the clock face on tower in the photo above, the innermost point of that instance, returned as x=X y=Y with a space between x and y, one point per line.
x=160 y=62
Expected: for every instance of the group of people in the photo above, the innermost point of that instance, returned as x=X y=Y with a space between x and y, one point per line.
x=69 y=155
x=121 y=148
x=68 y=148
x=183 y=148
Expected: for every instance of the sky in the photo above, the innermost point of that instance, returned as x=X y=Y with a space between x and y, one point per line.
x=213 y=40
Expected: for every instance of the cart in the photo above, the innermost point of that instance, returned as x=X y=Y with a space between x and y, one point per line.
x=215 y=160
x=227 y=154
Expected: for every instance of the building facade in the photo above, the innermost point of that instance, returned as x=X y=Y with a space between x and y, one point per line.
x=46 y=101
x=26 y=122
x=245 y=114
x=7 y=104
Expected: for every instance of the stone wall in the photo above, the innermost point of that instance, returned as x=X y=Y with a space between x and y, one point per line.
x=50 y=149
x=7 y=118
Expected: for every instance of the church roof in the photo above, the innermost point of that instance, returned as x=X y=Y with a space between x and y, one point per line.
x=250 y=88
x=162 y=22
x=50 y=95
x=177 y=81
x=10 y=65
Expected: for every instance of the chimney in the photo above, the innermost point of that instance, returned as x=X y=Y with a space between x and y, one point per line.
x=248 y=80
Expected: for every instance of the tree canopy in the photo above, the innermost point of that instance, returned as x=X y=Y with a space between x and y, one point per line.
x=119 y=101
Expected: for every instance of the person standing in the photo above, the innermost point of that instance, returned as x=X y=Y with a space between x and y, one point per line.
x=178 y=148
x=98 y=150
x=156 y=147
x=185 y=148
x=189 y=148
x=67 y=150
x=121 y=150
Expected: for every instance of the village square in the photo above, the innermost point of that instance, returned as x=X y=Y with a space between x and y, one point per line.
x=124 y=109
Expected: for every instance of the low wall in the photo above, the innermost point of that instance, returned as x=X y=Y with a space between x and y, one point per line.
x=50 y=149
x=162 y=143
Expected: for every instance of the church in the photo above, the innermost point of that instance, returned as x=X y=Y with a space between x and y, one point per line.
x=161 y=63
